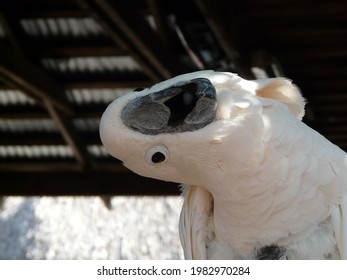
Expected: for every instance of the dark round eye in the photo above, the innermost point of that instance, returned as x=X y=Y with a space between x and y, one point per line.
x=157 y=154
x=139 y=89
x=158 y=157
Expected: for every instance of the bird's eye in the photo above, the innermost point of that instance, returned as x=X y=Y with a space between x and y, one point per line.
x=157 y=154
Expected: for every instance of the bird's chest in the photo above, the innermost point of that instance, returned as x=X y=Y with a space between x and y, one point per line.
x=315 y=242
x=240 y=240
x=269 y=218
x=247 y=226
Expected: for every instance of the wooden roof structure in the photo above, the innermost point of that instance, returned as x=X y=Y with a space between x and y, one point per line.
x=63 y=61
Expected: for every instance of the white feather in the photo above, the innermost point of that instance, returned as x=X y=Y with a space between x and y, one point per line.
x=193 y=227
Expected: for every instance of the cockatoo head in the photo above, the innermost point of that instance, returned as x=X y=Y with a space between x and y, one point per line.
x=191 y=126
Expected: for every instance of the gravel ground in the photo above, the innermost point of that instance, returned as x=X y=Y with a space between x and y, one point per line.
x=83 y=228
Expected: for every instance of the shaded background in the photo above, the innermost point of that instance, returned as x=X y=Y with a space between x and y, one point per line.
x=63 y=61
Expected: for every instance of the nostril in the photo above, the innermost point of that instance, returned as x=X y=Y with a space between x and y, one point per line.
x=182 y=104
x=188 y=98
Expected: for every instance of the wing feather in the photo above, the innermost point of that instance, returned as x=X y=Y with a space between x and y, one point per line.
x=194 y=222
x=338 y=217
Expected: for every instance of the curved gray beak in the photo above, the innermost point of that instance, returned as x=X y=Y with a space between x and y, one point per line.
x=186 y=106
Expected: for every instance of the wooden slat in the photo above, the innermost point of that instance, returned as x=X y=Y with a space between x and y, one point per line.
x=14 y=77
x=54 y=166
x=44 y=138
x=22 y=112
x=55 y=13
x=43 y=166
x=106 y=84
x=92 y=84
x=30 y=138
x=83 y=183
x=142 y=37
x=45 y=9
x=10 y=25
x=71 y=135
x=18 y=112
x=112 y=30
x=83 y=51
x=30 y=79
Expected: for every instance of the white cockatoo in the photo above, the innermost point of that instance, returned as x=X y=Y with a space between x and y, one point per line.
x=257 y=182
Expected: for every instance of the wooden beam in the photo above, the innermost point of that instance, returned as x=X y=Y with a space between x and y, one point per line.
x=156 y=8
x=15 y=67
x=70 y=135
x=55 y=13
x=45 y=9
x=31 y=80
x=13 y=112
x=37 y=167
x=54 y=166
x=11 y=27
x=225 y=24
x=88 y=85
x=106 y=84
x=19 y=112
x=30 y=139
x=132 y=25
x=43 y=138
x=112 y=30
x=83 y=51
x=82 y=183
x=141 y=35
x=125 y=24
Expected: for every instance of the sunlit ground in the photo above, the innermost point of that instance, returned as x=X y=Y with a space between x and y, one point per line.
x=83 y=228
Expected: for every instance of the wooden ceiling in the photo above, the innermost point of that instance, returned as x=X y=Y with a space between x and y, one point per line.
x=63 y=61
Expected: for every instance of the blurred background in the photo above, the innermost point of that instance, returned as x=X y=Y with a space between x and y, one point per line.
x=63 y=61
